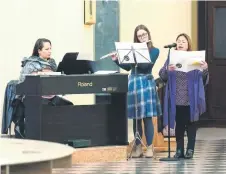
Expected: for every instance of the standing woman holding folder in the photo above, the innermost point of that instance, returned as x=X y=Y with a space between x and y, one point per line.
x=145 y=89
x=187 y=99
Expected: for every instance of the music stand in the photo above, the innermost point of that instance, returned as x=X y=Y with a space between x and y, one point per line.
x=72 y=56
x=133 y=53
x=70 y=65
x=128 y=53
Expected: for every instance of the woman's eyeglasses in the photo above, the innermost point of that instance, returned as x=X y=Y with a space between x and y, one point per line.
x=142 y=35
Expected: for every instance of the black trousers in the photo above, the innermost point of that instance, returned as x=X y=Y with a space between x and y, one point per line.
x=183 y=124
x=56 y=101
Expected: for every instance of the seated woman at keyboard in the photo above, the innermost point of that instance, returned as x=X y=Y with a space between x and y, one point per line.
x=41 y=61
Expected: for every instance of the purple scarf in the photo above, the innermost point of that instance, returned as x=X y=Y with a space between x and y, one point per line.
x=196 y=96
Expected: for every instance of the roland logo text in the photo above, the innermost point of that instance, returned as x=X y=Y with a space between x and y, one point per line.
x=85 y=84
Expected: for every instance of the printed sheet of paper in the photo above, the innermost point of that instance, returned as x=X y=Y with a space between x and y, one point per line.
x=187 y=60
x=125 y=54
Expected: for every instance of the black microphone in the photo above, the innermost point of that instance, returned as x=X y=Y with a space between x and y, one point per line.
x=171 y=45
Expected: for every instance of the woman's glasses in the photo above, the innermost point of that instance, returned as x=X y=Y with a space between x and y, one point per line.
x=142 y=35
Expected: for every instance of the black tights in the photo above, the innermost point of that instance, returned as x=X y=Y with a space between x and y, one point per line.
x=183 y=124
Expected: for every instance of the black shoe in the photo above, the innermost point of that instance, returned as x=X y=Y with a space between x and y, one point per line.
x=189 y=154
x=179 y=154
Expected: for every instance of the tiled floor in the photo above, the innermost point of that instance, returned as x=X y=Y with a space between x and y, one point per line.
x=210 y=157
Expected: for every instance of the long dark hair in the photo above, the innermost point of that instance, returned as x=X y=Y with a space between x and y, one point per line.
x=142 y=27
x=187 y=38
x=39 y=45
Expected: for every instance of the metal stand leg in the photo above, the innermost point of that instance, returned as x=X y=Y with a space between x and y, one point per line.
x=169 y=158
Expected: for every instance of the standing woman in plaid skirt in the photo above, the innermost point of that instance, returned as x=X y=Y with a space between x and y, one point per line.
x=143 y=85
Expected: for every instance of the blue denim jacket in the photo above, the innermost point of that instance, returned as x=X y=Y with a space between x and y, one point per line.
x=10 y=93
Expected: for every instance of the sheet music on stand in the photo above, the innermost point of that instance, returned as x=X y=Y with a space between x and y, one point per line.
x=127 y=51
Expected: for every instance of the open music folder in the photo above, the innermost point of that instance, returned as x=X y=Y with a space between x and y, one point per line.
x=187 y=60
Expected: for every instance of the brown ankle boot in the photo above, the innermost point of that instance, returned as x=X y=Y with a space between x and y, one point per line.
x=137 y=151
x=149 y=152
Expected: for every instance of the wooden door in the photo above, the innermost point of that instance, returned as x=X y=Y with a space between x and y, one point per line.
x=216 y=57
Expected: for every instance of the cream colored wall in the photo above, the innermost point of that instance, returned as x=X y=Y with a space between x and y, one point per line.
x=24 y=21
x=164 y=18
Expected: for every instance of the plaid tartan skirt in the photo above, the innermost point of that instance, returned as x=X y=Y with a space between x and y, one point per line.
x=148 y=102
